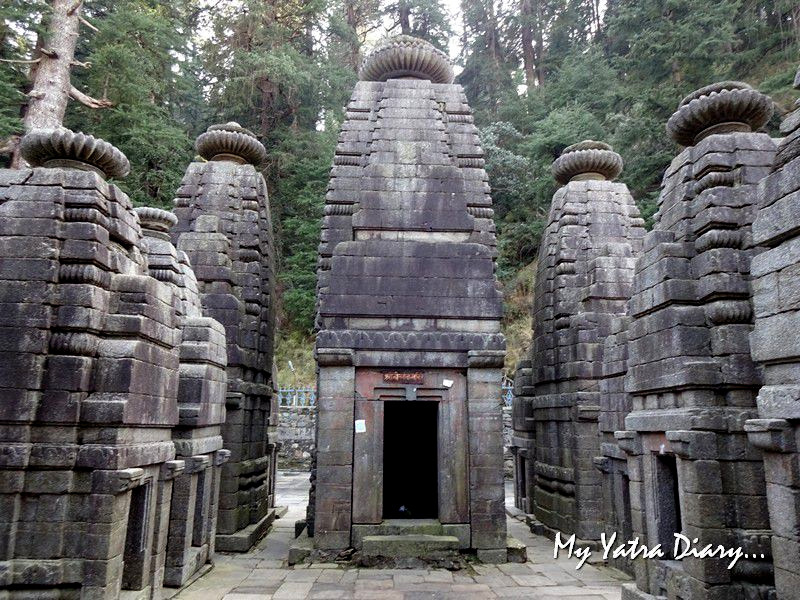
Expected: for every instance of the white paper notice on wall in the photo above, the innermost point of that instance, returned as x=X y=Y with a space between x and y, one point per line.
x=448 y=383
x=361 y=426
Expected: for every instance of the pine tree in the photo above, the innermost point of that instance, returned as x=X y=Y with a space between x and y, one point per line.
x=426 y=19
x=487 y=59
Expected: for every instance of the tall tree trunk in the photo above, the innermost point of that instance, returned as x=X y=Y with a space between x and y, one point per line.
x=405 y=17
x=528 y=61
x=539 y=41
x=50 y=77
x=353 y=24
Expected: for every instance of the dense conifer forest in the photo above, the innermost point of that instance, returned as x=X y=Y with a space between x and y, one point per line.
x=150 y=76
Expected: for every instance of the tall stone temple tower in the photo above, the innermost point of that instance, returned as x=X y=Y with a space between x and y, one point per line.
x=409 y=442
x=583 y=282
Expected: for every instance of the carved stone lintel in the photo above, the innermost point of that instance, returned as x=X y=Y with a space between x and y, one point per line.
x=587 y=412
x=171 y=469
x=694 y=445
x=602 y=464
x=221 y=457
x=630 y=442
x=485 y=359
x=197 y=463
x=116 y=482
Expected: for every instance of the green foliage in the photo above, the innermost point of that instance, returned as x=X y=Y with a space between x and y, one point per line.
x=617 y=80
x=426 y=19
x=134 y=66
x=298 y=174
x=19 y=26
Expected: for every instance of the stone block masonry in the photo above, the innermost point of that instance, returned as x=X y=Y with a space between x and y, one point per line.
x=224 y=227
x=775 y=284
x=296 y=434
x=690 y=377
x=409 y=319
x=690 y=436
x=584 y=280
x=112 y=379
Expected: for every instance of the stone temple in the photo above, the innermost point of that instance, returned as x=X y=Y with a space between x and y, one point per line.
x=668 y=361
x=660 y=398
x=409 y=460
x=136 y=386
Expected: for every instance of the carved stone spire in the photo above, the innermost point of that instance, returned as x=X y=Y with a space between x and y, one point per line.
x=723 y=107
x=231 y=142
x=404 y=57
x=587 y=160
x=56 y=148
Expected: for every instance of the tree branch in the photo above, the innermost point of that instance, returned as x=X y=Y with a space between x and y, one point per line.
x=25 y=62
x=78 y=95
x=89 y=25
x=75 y=7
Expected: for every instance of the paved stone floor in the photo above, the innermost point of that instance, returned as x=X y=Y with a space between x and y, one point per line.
x=263 y=575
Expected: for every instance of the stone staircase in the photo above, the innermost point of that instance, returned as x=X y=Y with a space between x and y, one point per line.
x=409 y=540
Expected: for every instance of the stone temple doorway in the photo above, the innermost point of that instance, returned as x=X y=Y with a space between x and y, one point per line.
x=410 y=460
x=410 y=440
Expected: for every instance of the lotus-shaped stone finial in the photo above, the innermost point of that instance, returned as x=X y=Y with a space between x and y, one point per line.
x=231 y=142
x=723 y=107
x=54 y=148
x=587 y=160
x=155 y=219
x=404 y=56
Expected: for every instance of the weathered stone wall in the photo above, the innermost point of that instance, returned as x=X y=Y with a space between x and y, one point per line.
x=406 y=283
x=775 y=344
x=296 y=430
x=103 y=341
x=585 y=270
x=225 y=228
x=689 y=374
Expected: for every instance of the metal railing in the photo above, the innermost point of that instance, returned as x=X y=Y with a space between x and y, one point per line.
x=297 y=397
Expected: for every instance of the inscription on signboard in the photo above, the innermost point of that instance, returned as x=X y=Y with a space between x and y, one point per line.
x=403 y=377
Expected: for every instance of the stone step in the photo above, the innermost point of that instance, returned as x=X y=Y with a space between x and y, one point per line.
x=399 y=527
x=413 y=545
x=410 y=526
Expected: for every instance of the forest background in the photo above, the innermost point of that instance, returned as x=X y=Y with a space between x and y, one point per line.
x=540 y=75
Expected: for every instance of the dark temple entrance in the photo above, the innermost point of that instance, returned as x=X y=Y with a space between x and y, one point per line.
x=410 y=471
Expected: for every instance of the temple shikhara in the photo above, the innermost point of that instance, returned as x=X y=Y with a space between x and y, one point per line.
x=659 y=396
x=409 y=323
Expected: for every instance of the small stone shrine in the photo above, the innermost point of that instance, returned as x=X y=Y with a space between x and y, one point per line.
x=112 y=383
x=583 y=283
x=225 y=228
x=409 y=461
x=678 y=379
x=690 y=376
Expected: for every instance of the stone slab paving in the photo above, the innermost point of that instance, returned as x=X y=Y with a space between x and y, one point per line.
x=262 y=574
